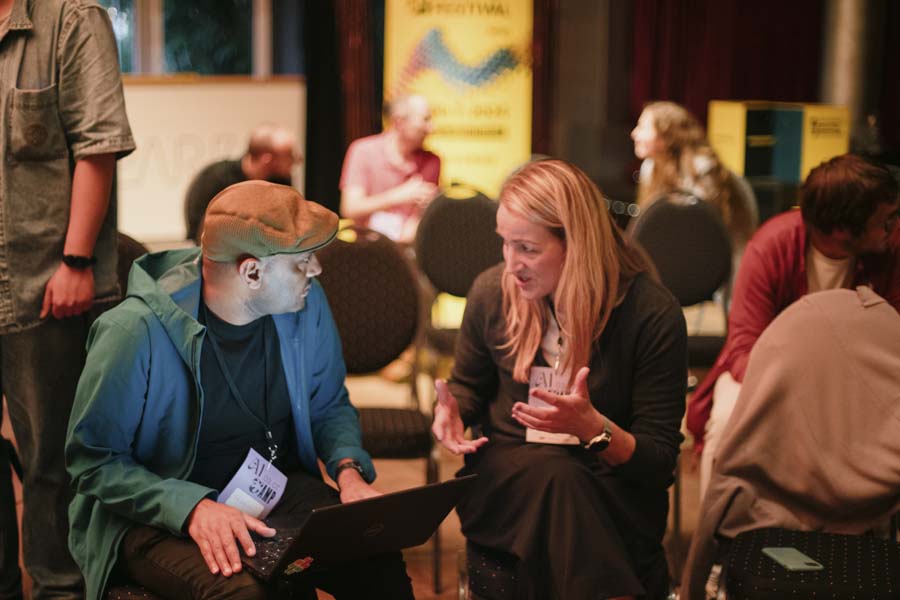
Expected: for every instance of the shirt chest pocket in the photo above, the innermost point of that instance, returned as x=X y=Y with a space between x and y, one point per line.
x=35 y=130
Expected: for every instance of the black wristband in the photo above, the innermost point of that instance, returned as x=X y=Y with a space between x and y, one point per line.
x=352 y=464
x=73 y=261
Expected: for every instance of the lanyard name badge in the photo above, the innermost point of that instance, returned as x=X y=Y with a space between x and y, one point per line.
x=258 y=484
x=256 y=488
x=551 y=380
x=547 y=378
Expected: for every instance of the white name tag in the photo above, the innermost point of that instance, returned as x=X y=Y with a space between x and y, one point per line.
x=545 y=378
x=256 y=488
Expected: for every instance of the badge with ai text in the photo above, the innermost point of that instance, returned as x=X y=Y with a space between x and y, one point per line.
x=256 y=488
x=545 y=378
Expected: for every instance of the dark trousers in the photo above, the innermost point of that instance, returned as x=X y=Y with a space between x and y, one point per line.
x=172 y=567
x=10 y=577
x=39 y=369
x=578 y=531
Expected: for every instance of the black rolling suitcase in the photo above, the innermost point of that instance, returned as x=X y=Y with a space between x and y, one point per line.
x=854 y=567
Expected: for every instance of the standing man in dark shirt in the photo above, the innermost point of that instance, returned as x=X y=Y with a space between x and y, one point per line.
x=271 y=154
x=218 y=358
x=63 y=127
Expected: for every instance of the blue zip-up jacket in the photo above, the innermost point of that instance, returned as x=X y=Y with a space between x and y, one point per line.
x=134 y=428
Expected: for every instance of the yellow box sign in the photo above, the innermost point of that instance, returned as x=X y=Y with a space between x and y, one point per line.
x=783 y=140
x=727 y=132
x=826 y=134
x=471 y=60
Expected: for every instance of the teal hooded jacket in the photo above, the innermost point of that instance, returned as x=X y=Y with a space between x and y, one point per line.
x=134 y=427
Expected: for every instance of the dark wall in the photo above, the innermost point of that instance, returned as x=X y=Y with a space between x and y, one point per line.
x=889 y=117
x=324 y=124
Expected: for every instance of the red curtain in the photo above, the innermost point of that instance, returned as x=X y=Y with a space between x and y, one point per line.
x=544 y=40
x=354 y=31
x=694 y=51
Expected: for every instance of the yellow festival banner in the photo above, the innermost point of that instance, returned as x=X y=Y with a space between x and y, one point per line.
x=472 y=60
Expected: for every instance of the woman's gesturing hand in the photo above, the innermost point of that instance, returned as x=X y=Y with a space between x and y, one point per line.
x=570 y=413
x=448 y=427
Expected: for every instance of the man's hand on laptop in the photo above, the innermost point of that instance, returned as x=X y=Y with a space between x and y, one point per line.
x=214 y=527
x=353 y=487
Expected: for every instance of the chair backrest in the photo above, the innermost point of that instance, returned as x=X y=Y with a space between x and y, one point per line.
x=373 y=294
x=745 y=196
x=457 y=239
x=689 y=246
x=129 y=250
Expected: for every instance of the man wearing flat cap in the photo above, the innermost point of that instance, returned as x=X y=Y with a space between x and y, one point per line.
x=222 y=364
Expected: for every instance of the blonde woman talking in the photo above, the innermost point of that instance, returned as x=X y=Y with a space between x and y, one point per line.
x=571 y=358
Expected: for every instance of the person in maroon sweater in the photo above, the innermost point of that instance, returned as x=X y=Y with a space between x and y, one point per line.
x=844 y=235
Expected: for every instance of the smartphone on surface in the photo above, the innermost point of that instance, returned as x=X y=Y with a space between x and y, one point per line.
x=792 y=559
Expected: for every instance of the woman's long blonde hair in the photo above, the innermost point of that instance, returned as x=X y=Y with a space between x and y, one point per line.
x=683 y=141
x=597 y=268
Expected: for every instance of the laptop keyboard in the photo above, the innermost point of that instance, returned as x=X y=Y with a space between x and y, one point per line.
x=268 y=552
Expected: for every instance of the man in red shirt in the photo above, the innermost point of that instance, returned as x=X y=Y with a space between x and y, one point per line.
x=389 y=178
x=845 y=235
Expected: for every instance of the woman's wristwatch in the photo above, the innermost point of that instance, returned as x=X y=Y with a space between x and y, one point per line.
x=600 y=442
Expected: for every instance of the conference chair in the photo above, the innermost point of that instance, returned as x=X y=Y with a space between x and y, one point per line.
x=850 y=566
x=456 y=240
x=129 y=250
x=691 y=249
x=374 y=297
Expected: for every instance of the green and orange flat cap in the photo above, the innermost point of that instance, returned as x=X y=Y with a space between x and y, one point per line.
x=257 y=218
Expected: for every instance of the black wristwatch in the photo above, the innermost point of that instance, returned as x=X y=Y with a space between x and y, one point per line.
x=350 y=464
x=600 y=442
x=79 y=263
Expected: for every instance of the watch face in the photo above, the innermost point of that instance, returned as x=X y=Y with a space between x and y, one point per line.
x=600 y=442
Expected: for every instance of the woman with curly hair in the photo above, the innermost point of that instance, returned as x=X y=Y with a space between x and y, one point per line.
x=678 y=158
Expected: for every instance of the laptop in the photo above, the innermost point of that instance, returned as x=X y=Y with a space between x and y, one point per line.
x=344 y=532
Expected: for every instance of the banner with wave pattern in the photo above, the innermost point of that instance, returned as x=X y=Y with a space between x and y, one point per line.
x=471 y=59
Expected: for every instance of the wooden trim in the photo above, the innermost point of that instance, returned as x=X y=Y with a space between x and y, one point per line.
x=193 y=78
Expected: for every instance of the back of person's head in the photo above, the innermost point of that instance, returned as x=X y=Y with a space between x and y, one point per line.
x=842 y=193
x=559 y=196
